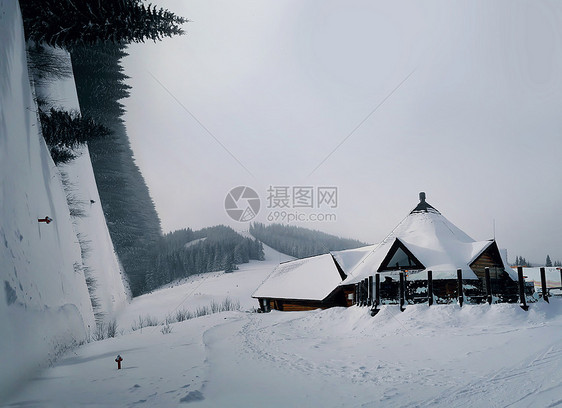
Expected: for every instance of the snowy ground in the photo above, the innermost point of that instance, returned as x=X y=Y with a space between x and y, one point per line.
x=482 y=355
x=493 y=356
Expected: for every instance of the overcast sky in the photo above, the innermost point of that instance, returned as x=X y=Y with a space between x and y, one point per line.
x=461 y=100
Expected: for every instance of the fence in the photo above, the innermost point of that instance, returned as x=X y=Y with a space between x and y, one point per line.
x=374 y=293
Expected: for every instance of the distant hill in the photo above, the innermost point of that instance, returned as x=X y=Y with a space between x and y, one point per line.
x=300 y=242
x=186 y=252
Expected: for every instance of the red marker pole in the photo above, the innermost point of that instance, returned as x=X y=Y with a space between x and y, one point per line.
x=46 y=220
x=118 y=360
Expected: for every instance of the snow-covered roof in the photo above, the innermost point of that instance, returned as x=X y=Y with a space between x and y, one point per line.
x=435 y=242
x=304 y=279
x=348 y=259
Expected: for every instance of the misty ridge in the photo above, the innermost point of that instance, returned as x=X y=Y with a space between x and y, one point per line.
x=300 y=242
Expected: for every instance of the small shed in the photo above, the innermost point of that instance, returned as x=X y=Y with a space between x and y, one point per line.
x=302 y=284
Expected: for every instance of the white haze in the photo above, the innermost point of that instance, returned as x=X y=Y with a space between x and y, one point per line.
x=281 y=84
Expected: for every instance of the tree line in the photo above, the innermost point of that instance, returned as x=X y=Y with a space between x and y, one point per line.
x=186 y=252
x=67 y=23
x=300 y=242
x=521 y=261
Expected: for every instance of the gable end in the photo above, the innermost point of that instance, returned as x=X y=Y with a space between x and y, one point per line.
x=399 y=257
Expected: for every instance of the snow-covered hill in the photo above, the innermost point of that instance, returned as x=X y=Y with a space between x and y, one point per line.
x=199 y=291
x=44 y=304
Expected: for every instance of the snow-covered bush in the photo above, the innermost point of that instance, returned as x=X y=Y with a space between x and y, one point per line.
x=166 y=329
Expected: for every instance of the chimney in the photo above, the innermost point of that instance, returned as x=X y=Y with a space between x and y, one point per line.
x=423 y=206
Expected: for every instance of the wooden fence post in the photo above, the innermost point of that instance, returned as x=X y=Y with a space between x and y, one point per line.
x=363 y=294
x=522 y=298
x=460 y=296
x=401 y=291
x=370 y=291
x=488 y=285
x=366 y=292
x=430 y=287
x=543 y=285
x=374 y=310
x=377 y=289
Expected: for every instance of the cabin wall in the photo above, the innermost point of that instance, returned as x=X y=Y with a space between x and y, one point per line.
x=290 y=305
x=336 y=298
x=490 y=258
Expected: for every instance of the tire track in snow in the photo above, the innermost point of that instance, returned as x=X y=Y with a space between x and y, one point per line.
x=330 y=356
x=540 y=376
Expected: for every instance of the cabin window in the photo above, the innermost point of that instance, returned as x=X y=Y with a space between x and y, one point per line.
x=399 y=258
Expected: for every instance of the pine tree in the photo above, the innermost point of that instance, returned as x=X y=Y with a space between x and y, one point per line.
x=66 y=23
x=229 y=262
x=64 y=131
x=520 y=261
x=548 y=261
x=69 y=129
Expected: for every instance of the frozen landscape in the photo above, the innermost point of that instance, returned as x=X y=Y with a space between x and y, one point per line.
x=442 y=356
x=479 y=355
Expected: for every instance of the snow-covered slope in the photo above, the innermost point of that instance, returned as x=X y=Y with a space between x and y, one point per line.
x=200 y=290
x=45 y=307
x=100 y=259
x=44 y=302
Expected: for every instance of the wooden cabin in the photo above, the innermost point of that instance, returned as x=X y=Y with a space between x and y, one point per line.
x=424 y=241
x=303 y=284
